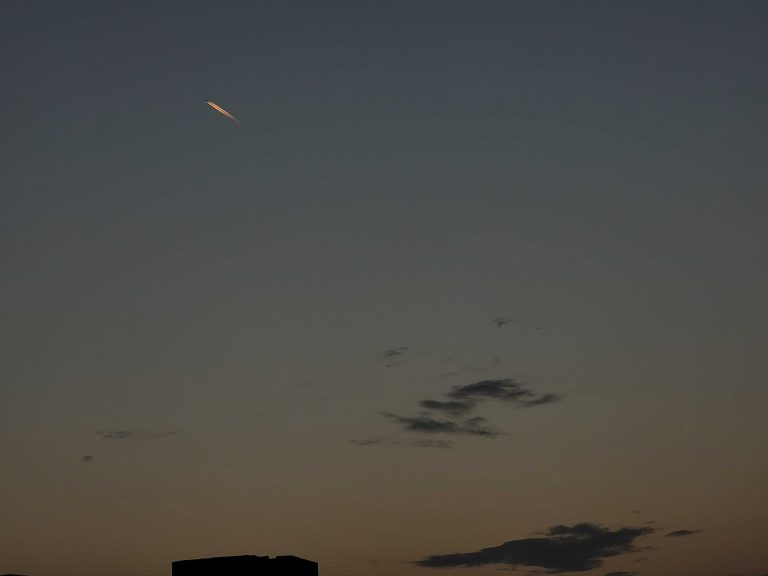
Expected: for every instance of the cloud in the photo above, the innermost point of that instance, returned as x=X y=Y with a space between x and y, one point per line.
x=133 y=435
x=474 y=426
x=370 y=441
x=620 y=573
x=444 y=444
x=504 y=389
x=452 y=407
x=547 y=398
x=452 y=413
x=393 y=352
x=563 y=549
x=399 y=356
x=681 y=533
x=86 y=459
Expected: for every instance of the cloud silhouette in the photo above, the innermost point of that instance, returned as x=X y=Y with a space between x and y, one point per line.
x=473 y=426
x=451 y=407
x=133 y=435
x=562 y=549
x=452 y=413
x=86 y=459
x=547 y=398
x=504 y=389
x=681 y=533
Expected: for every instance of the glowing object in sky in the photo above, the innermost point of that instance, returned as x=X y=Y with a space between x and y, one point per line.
x=220 y=109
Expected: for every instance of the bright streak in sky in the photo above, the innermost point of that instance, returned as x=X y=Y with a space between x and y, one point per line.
x=220 y=109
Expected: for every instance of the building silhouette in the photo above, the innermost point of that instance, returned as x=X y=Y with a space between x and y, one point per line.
x=245 y=566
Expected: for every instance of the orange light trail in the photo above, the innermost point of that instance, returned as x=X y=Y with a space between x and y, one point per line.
x=220 y=109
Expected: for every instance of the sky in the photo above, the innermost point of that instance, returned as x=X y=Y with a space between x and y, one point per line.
x=471 y=287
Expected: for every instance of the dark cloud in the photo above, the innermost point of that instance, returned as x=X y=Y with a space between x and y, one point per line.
x=133 y=435
x=452 y=407
x=507 y=389
x=504 y=389
x=460 y=401
x=499 y=322
x=474 y=426
x=620 y=573
x=563 y=549
x=86 y=459
x=681 y=533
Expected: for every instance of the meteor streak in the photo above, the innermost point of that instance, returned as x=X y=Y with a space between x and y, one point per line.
x=221 y=110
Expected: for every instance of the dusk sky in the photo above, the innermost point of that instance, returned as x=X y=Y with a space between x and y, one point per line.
x=473 y=286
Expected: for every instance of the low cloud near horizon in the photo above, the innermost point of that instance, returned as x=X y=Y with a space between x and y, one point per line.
x=561 y=549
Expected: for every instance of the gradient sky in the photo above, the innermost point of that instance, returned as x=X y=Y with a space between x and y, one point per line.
x=215 y=338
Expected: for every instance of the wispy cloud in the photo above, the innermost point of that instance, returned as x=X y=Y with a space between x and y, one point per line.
x=370 y=441
x=562 y=549
x=451 y=407
x=450 y=416
x=473 y=426
x=394 y=352
x=133 y=434
x=547 y=398
x=398 y=356
x=376 y=441
x=443 y=444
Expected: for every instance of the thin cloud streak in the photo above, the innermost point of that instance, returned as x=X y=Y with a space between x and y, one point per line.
x=681 y=533
x=134 y=435
x=378 y=441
